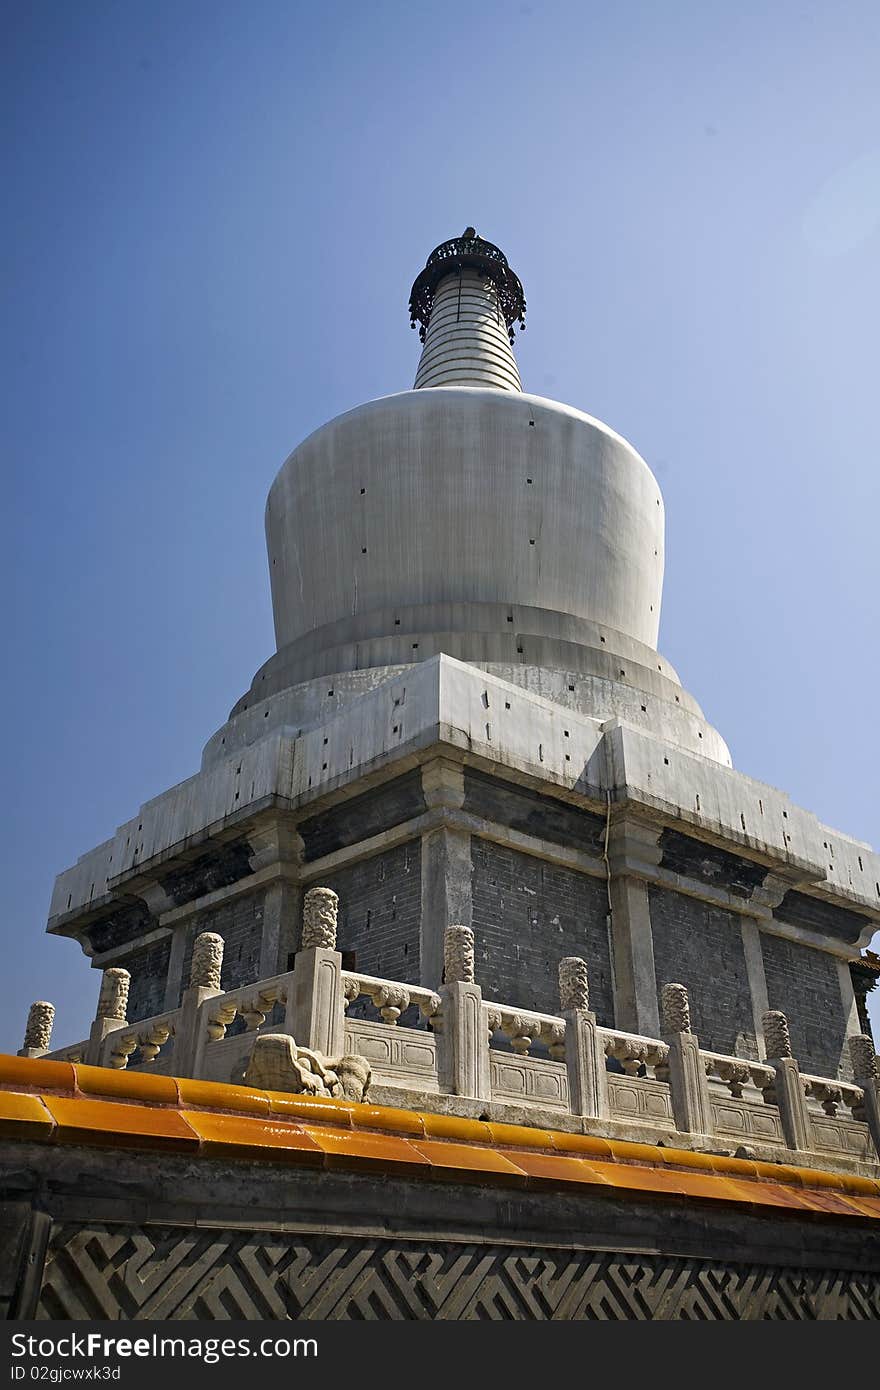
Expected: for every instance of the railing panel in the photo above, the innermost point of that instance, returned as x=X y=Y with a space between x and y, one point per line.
x=641 y=1099
x=397 y=1056
x=529 y=1080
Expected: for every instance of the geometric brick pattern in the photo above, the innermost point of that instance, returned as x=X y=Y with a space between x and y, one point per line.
x=108 y=1271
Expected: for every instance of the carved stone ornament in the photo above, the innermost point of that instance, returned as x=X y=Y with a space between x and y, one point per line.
x=391 y=1001
x=634 y=1053
x=676 y=1008
x=113 y=998
x=458 y=955
x=574 y=985
x=862 y=1054
x=277 y=1064
x=38 y=1033
x=207 y=961
x=320 y=912
x=777 y=1040
x=734 y=1072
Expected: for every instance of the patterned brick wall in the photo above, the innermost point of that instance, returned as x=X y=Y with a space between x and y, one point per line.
x=804 y=984
x=701 y=947
x=527 y=914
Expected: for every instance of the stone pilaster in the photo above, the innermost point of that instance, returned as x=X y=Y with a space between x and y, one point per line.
x=446 y=868
x=788 y=1089
x=691 y=1106
x=204 y=983
x=632 y=846
x=865 y=1069
x=111 y=1011
x=852 y=1025
x=315 y=1013
x=584 y=1051
x=460 y=1025
x=754 y=959
x=276 y=844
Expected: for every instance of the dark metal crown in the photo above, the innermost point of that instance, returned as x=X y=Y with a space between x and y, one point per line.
x=467 y=251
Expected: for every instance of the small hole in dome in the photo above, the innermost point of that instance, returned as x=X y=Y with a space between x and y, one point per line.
x=363 y=550
x=666 y=761
x=571 y=687
x=531 y=542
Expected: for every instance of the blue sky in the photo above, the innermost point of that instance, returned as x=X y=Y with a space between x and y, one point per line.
x=214 y=213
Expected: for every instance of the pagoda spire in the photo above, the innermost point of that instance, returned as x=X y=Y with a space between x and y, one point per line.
x=467 y=300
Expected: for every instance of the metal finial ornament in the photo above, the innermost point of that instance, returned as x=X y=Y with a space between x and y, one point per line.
x=473 y=252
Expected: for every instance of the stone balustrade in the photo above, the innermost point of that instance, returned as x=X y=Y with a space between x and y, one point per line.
x=390 y=999
x=636 y=1056
x=450 y=1042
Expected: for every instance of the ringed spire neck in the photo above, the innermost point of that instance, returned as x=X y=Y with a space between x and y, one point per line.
x=467 y=301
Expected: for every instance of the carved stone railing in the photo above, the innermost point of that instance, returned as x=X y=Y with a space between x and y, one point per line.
x=736 y=1073
x=563 y=1063
x=522 y=1028
x=251 y=1003
x=636 y=1056
x=391 y=999
x=831 y=1095
x=74 y=1052
x=146 y=1038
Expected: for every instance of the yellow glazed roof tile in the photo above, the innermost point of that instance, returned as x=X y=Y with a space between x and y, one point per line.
x=104 y=1107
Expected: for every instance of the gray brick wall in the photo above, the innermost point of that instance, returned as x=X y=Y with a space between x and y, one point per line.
x=380 y=908
x=527 y=914
x=240 y=923
x=803 y=983
x=149 y=973
x=701 y=947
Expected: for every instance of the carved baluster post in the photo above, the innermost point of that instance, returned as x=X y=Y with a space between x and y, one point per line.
x=38 y=1033
x=864 y=1062
x=788 y=1090
x=110 y=1015
x=315 y=1013
x=584 y=1050
x=191 y=1033
x=462 y=1040
x=691 y=1106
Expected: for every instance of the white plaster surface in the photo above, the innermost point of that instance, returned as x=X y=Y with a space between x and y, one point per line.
x=523 y=735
